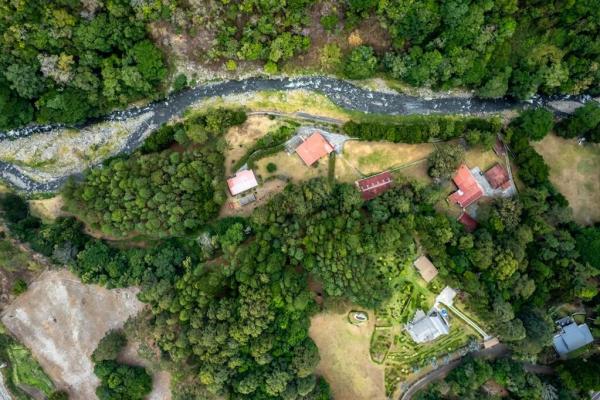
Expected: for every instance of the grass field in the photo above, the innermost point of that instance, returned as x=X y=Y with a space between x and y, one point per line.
x=47 y=209
x=575 y=171
x=345 y=360
x=291 y=166
x=241 y=138
x=373 y=157
x=478 y=157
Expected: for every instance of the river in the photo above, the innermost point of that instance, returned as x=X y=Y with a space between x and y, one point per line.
x=340 y=92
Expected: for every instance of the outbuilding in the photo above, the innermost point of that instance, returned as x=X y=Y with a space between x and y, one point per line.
x=241 y=182
x=375 y=185
x=426 y=268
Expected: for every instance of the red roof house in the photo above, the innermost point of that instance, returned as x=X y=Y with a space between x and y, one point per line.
x=468 y=222
x=468 y=191
x=498 y=177
x=375 y=185
x=242 y=181
x=314 y=148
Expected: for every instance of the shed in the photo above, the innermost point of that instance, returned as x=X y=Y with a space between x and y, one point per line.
x=572 y=337
x=314 y=148
x=241 y=182
x=498 y=177
x=426 y=268
x=468 y=191
x=375 y=185
x=468 y=222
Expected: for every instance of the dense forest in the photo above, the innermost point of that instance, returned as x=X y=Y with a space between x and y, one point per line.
x=68 y=60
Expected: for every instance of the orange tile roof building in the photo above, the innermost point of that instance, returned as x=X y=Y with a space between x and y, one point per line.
x=241 y=182
x=468 y=191
x=498 y=177
x=375 y=185
x=314 y=148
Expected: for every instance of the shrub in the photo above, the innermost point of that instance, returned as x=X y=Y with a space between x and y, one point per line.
x=361 y=63
x=329 y=22
x=331 y=57
x=60 y=395
x=271 y=68
x=231 y=65
x=180 y=82
x=19 y=287
x=271 y=167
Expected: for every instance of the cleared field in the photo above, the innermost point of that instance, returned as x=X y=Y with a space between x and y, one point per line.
x=345 y=360
x=575 y=171
x=374 y=157
x=241 y=138
x=62 y=320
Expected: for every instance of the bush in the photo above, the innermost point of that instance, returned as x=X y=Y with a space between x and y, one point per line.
x=180 y=82
x=110 y=346
x=271 y=167
x=330 y=22
x=271 y=68
x=361 y=63
x=60 y=395
x=19 y=287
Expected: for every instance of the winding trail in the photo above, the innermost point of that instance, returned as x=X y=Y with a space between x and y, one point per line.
x=340 y=92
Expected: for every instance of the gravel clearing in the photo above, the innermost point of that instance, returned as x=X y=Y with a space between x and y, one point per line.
x=61 y=321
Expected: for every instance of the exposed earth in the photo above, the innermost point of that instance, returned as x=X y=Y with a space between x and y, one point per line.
x=61 y=321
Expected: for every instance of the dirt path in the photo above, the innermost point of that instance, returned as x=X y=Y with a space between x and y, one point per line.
x=61 y=321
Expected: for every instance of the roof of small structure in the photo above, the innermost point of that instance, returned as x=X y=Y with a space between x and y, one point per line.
x=468 y=222
x=242 y=181
x=424 y=328
x=375 y=185
x=572 y=337
x=469 y=190
x=498 y=177
x=313 y=148
x=426 y=268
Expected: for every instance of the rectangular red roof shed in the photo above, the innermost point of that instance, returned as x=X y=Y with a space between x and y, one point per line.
x=468 y=222
x=375 y=185
x=313 y=148
x=498 y=177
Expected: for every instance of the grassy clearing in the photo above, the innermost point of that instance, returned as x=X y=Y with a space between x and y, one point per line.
x=373 y=157
x=291 y=167
x=575 y=171
x=241 y=138
x=345 y=360
x=478 y=157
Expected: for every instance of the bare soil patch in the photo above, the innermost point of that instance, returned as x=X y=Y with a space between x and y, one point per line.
x=61 y=321
x=345 y=360
x=373 y=157
x=264 y=192
x=575 y=171
x=241 y=138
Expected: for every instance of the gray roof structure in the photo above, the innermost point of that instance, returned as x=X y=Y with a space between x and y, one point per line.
x=572 y=337
x=427 y=327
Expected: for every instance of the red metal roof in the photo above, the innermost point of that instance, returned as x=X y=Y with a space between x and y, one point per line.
x=468 y=191
x=497 y=176
x=375 y=185
x=242 y=181
x=469 y=223
x=314 y=148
